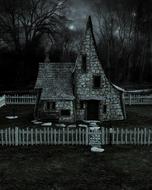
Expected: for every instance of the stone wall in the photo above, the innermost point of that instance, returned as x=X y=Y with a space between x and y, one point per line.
x=107 y=94
x=67 y=105
x=60 y=105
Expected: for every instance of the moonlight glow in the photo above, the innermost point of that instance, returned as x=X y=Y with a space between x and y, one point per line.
x=72 y=27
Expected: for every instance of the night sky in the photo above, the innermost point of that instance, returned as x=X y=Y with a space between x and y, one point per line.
x=79 y=10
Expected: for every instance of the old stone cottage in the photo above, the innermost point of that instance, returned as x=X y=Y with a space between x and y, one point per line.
x=78 y=91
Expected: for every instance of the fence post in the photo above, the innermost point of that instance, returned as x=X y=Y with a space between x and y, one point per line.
x=129 y=99
x=87 y=136
x=16 y=136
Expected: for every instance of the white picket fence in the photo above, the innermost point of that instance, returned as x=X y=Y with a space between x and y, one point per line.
x=136 y=136
x=44 y=136
x=20 y=99
x=74 y=136
x=137 y=99
x=2 y=101
x=30 y=98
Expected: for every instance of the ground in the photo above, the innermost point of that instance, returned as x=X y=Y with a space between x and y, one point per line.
x=75 y=168
x=137 y=116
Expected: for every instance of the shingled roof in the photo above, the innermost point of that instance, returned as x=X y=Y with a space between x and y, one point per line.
x=55 y=80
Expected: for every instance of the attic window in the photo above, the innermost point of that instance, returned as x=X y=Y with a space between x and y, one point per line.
x=84 y=62
x=96 y=81
x=65 y=112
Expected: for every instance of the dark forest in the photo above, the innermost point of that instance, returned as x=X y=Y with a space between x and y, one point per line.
x=30 y=29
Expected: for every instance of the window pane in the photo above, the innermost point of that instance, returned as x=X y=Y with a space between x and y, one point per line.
x=96 y=81
x=84 y=63
x=65 y=112
x=104 y=108
x=48 y=105
x=53 y=105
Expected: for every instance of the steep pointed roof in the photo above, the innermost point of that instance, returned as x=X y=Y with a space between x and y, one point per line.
x=89 y=26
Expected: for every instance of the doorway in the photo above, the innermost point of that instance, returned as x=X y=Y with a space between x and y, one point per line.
x=93 y=110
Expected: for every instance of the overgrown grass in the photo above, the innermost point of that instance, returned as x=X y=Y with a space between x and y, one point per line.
x=75 y=168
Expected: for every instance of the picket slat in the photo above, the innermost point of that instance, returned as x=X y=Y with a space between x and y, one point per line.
x=145 y=136
x=44 y=133
x=149 y=135
x=6 y=136
x=32 y=139
x=138 y=134
x=40 y=133
x=59 y=136
x=12 y=134
x=134 y=135
x=80 y=136
x=117 y=135
x=86 y=136
x=2 y=140
x=63 y=135
x=55 y=142
x=36 y=133
x=48 y=136
x=72 y=139
x=27 y=136
x=122 y=132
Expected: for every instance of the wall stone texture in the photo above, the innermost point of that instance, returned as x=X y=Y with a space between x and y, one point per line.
x=106 y=94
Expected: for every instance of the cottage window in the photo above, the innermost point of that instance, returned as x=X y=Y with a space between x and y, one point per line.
x=96 y=81
x=84 y=62
x=50 y=105
x=65 y=112
x=104 y=109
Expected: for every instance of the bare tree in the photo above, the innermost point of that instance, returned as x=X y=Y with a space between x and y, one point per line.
x=21 y=22
x=66 y=47
x=116 y=34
